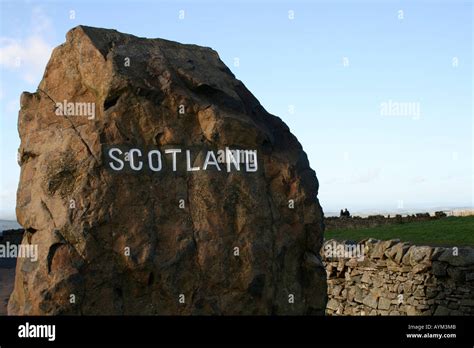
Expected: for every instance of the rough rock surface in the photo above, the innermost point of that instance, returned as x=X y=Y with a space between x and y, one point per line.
x=160 y=243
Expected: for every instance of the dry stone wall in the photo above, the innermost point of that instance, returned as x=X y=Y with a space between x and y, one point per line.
x=357 y=222
x=394 y=278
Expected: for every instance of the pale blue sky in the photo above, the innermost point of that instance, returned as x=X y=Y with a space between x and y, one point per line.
x=295 y=68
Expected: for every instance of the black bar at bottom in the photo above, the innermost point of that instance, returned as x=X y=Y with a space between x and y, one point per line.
x=255 y=329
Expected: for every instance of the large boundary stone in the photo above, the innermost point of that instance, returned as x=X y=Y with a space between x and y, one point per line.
x=127 y=224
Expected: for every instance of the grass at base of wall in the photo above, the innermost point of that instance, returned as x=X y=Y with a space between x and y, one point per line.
x=449 y=231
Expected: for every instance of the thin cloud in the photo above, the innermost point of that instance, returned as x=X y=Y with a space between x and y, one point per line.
x=419 y=179
x=367 y=176
x=360 y=177
x=28 y=56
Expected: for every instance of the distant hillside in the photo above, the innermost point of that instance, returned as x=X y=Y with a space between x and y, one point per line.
x=8 y=225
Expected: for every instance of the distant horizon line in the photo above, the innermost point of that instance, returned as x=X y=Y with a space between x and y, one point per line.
x=367 y=211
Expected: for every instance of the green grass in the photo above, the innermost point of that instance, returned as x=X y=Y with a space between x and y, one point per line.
x=450 y=231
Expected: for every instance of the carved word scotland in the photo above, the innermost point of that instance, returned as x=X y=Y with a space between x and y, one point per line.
x=177 y=159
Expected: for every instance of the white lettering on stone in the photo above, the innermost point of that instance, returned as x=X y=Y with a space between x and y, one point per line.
x=154 y=168
x=230 y=158
x=132 y=159
x=135 y=159
x=207 y=161
x=111 y=155
x=188 y=162
x=173 y=152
